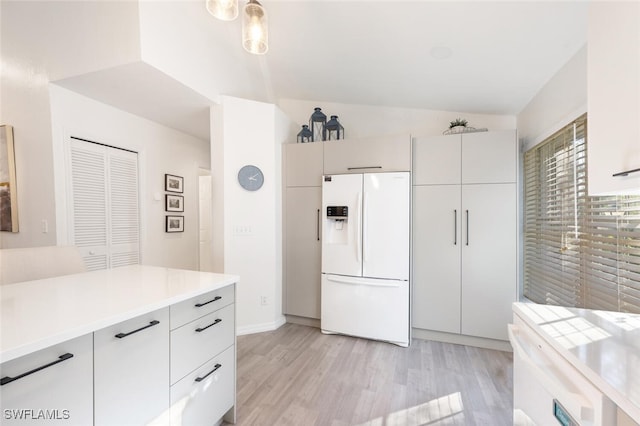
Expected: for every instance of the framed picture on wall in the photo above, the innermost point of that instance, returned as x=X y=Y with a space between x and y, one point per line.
x=174 y=203
x=173 y=183
x=8 y=190
x=174 y=224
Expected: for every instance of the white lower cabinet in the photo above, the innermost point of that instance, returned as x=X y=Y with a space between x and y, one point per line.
x=196 y=342
x=436 y=251
x=465 y=258
x=137 y=372
x=203 y=373
x=51 y=386
x=131 y=371
x=489 y=259
x=207 y=393
x=302 y=251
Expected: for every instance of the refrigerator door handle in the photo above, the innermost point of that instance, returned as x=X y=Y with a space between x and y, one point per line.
x=363 y=281
x=359 y=229
x=365 y=230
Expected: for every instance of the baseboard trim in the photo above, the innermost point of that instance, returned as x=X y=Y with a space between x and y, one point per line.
x=261 y=328
x=311 y=322
x=460 y=339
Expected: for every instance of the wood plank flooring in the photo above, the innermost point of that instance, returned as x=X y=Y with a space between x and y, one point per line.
x=298 y=376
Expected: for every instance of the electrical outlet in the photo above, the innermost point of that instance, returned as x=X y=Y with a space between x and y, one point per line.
x=264 y=300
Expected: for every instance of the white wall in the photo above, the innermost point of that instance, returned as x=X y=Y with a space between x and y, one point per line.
x=42 y=42
x=250 y=132
x=160 y=150
x=560 y=101
x=363 y=120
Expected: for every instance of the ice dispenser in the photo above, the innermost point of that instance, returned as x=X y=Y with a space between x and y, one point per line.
x=337 y=225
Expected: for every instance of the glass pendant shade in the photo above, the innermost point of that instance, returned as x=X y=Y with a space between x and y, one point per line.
x=255 y=38
x=317 y=122
x=305 y=135
x=334 y=129
x=225 y=10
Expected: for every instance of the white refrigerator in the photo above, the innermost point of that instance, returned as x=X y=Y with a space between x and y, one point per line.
x=365 y=256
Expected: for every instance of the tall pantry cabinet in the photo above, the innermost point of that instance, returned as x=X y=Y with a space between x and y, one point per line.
x=303 y=164
x=465 y=233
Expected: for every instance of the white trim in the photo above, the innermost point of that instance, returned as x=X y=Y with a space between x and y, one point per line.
x=460 y=339
x=261 y=328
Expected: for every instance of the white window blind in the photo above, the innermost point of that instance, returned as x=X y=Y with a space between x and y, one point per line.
x=578 y=250
x=104 y=191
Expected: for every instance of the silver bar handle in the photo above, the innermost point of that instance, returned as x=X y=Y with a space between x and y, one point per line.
x=467 y=211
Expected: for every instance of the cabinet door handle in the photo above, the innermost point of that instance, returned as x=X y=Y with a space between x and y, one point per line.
x=210 y=325
x=467 y=227
x=455 y=227
x=215 y=299
x=215 y=368
x=5 y=380
x=318 y=225
x=123 y=335
x=364 y=167
x=626 y=173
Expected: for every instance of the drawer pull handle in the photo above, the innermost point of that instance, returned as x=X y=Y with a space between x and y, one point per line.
x=215 y=368
x=210 y=325
x=5 y=380
x=364 y=167
x=215 y=299
x=123 y=335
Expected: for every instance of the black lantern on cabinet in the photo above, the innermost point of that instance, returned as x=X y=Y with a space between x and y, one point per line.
x=317 y=123
x=305 y=135
x=334 y=129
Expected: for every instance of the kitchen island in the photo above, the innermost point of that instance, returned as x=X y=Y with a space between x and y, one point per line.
x=589 y=357
x=153 y=335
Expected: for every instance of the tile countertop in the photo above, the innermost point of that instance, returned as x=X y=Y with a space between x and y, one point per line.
x=41 y=313
x=604 y=346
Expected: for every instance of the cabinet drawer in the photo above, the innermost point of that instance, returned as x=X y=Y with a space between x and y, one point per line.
x=196 y=342
x=189 y=310
x=131 y=370
x=206 y=394
x=63 y=392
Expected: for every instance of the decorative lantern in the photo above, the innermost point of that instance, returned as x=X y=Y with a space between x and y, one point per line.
x=317 y=121
x=334 y=129
x=305 y=135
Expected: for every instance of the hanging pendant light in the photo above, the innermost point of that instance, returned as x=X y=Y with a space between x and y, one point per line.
x=225 y=10
x=255 y=38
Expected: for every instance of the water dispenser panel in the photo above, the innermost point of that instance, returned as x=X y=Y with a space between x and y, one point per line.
x=337 y=212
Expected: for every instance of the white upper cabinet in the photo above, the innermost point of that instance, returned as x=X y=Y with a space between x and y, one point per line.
x=482 y=157
x=379 y=154
x=438 y=159
x=613 y=93
x=489 y=157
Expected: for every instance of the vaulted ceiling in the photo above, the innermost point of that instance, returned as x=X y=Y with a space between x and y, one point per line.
x=469 y=56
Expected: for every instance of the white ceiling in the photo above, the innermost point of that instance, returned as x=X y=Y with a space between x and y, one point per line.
x=498 y=55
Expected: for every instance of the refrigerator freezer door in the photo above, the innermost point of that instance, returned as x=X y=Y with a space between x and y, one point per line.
x=364 y=307
x=342 y=236
x=385 y=225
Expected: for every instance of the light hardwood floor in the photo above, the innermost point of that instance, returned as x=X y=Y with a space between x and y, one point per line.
x=298 y=376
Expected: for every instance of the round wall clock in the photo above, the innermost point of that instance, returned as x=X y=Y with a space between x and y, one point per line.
x=250 y=178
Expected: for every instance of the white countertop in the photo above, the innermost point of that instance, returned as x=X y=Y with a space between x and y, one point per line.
x=604 y=346
x=41 y=313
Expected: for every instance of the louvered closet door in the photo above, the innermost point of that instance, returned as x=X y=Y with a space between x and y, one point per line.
x=104 y=194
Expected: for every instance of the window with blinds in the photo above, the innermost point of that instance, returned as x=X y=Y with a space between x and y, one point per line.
x=579 y=251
